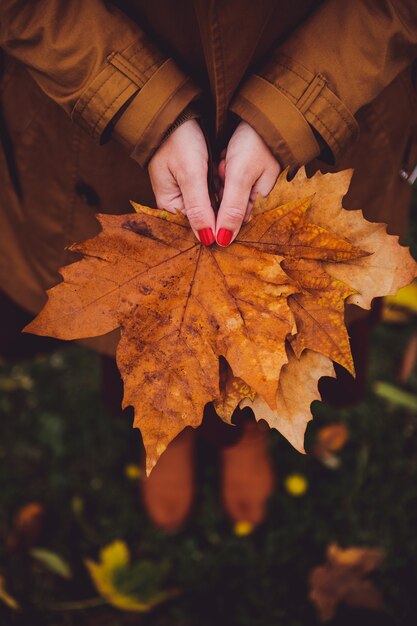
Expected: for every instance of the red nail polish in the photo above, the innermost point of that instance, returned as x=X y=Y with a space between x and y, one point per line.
x=224 y=237
x=206 y=236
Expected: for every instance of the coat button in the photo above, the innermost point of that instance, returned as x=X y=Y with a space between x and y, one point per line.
x=87 y=193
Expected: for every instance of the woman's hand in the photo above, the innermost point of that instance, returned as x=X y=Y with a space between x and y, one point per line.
x=178 y=173
x=247 y=166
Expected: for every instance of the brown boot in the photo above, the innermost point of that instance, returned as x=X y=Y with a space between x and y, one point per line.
x=247 y=475
x=169 y=491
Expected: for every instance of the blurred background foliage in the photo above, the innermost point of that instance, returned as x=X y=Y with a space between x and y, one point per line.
x=77 y=548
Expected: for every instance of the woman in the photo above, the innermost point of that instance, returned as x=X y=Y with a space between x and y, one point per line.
x=176 y=104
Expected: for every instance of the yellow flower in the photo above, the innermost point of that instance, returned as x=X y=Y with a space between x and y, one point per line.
x=296 y=484
x=133 y=472
x=242 y=528
x=402 y=306
x=113 y=574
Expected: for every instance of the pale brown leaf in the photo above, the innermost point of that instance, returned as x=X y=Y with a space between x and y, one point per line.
x=342 y=580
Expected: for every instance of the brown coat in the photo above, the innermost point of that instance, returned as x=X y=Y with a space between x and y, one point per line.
x=83 y=86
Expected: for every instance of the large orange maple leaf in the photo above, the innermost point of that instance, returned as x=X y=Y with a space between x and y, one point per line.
x=181 y=306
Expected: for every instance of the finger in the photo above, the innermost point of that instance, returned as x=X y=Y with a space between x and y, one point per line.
x=263 y=186
x=237 y=189
x=170 y=203
x=250 y=205
x=197 y=205
x=267 y=180
x=166 y=191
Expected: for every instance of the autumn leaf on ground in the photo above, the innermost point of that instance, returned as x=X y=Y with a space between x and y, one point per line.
x=343 y=580
x=329 y=440
x=52 y=562
x=131 y=587
x=5 y=596
x=27 y=526
x=181 y=306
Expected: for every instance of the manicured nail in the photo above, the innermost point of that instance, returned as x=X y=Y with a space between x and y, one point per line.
x=224 y=237
x=206 y=236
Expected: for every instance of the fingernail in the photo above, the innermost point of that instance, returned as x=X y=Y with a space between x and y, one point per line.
x=224 y=237
x=206 y=236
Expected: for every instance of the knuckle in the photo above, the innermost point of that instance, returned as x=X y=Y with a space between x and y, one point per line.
x=237 y=178
x=234 y=215
x=196 y=213
x=243 y=171
x=191 y=171
x=166 y=205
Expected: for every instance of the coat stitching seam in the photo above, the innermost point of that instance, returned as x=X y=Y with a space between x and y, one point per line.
x=95 y=92
x=155 y=63
x=331 y=133
x=287 y=93
x=164 y=104
x=290 y=69
x=291 y=60
x=135 y=52
x=336 y=109
x=118 y=97
x=131 y=70
x=348 y=122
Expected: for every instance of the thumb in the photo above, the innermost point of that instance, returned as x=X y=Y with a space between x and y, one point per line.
x=233 y=207
x=197 y=206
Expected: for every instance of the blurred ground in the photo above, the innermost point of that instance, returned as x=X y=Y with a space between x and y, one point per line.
x=61 y=450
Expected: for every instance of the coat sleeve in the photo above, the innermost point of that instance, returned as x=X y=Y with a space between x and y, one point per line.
x=99 y=66
x=306 y=95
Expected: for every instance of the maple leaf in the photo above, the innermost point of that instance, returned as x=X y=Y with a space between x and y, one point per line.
x=292 y=413
x=319 y=311
x=318 y=308
x=181 y=306
x=297 y=389
x=386 y=268
x=330 y=272
x=342 y=580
